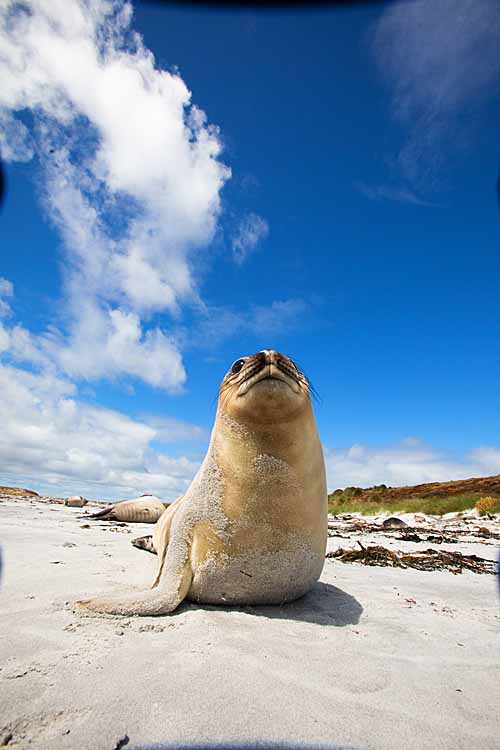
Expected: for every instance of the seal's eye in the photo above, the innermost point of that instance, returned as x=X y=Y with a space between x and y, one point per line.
x=237 y=366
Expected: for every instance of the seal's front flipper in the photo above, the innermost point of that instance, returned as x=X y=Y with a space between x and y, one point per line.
x=144 y=542
x=104 y=513
x=172 y=589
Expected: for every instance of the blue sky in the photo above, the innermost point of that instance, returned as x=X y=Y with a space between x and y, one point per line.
x=336 y=201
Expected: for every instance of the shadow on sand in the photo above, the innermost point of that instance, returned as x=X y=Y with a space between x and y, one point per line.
x=255 y=745
x=323 y=605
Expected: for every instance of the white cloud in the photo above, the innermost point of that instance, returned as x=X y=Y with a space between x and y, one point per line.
x=6 y=290
x=168 y=430
x=441 y=59
x=408 y=463
x=53 y=442
x=251 y=230
x=109 y=343
x=131 y=178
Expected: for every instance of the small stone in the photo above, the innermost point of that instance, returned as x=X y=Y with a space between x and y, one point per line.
x=394 y=523
x=119 y=632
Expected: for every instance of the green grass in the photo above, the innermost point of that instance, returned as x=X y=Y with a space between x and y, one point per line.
x=430 y=505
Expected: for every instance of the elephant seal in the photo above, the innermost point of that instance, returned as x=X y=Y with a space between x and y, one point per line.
x=75 y=501
x=146 y=509
x=252 y=527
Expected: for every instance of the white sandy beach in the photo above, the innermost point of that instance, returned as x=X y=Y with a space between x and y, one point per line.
x=371 y=658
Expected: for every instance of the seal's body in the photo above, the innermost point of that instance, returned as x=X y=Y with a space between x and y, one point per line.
x=143 y=510
x=75 y=501
x=252 y=527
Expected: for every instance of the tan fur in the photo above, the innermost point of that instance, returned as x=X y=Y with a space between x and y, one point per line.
x=75 y=501
x=252 y=527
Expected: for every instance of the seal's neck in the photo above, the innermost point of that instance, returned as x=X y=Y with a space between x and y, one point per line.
x=282 y=439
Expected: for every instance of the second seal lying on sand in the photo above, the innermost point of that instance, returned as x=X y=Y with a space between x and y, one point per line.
x=252 y=527
x=145 y=509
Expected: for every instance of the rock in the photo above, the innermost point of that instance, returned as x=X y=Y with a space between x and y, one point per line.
x=394 y=523
x=483 y=531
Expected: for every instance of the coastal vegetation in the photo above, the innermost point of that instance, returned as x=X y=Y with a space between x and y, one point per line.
x=434 y=498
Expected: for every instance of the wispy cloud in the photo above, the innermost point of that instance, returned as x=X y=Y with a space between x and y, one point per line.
x=251 y=230
x=269 y=320
x=131 y=177
x=215 y=325
x=410 y=462
x=388 y=193
x=440 y=59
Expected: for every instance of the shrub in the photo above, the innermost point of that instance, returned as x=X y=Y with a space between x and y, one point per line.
x=353 y=491
x=487 y=505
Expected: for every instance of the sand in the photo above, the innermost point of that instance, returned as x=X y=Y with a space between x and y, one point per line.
x=371 y=658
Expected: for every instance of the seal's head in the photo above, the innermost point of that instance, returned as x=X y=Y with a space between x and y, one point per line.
x=263 y=387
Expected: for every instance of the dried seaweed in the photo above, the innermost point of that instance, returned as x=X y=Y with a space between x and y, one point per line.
x=428 y=559
x=415 y=534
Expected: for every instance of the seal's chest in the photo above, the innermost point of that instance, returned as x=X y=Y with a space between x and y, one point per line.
x=268 y=489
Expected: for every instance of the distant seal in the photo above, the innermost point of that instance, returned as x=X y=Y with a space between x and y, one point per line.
x=146 y=509
x=252 y=527
x=75 y=501
x=394 y=523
